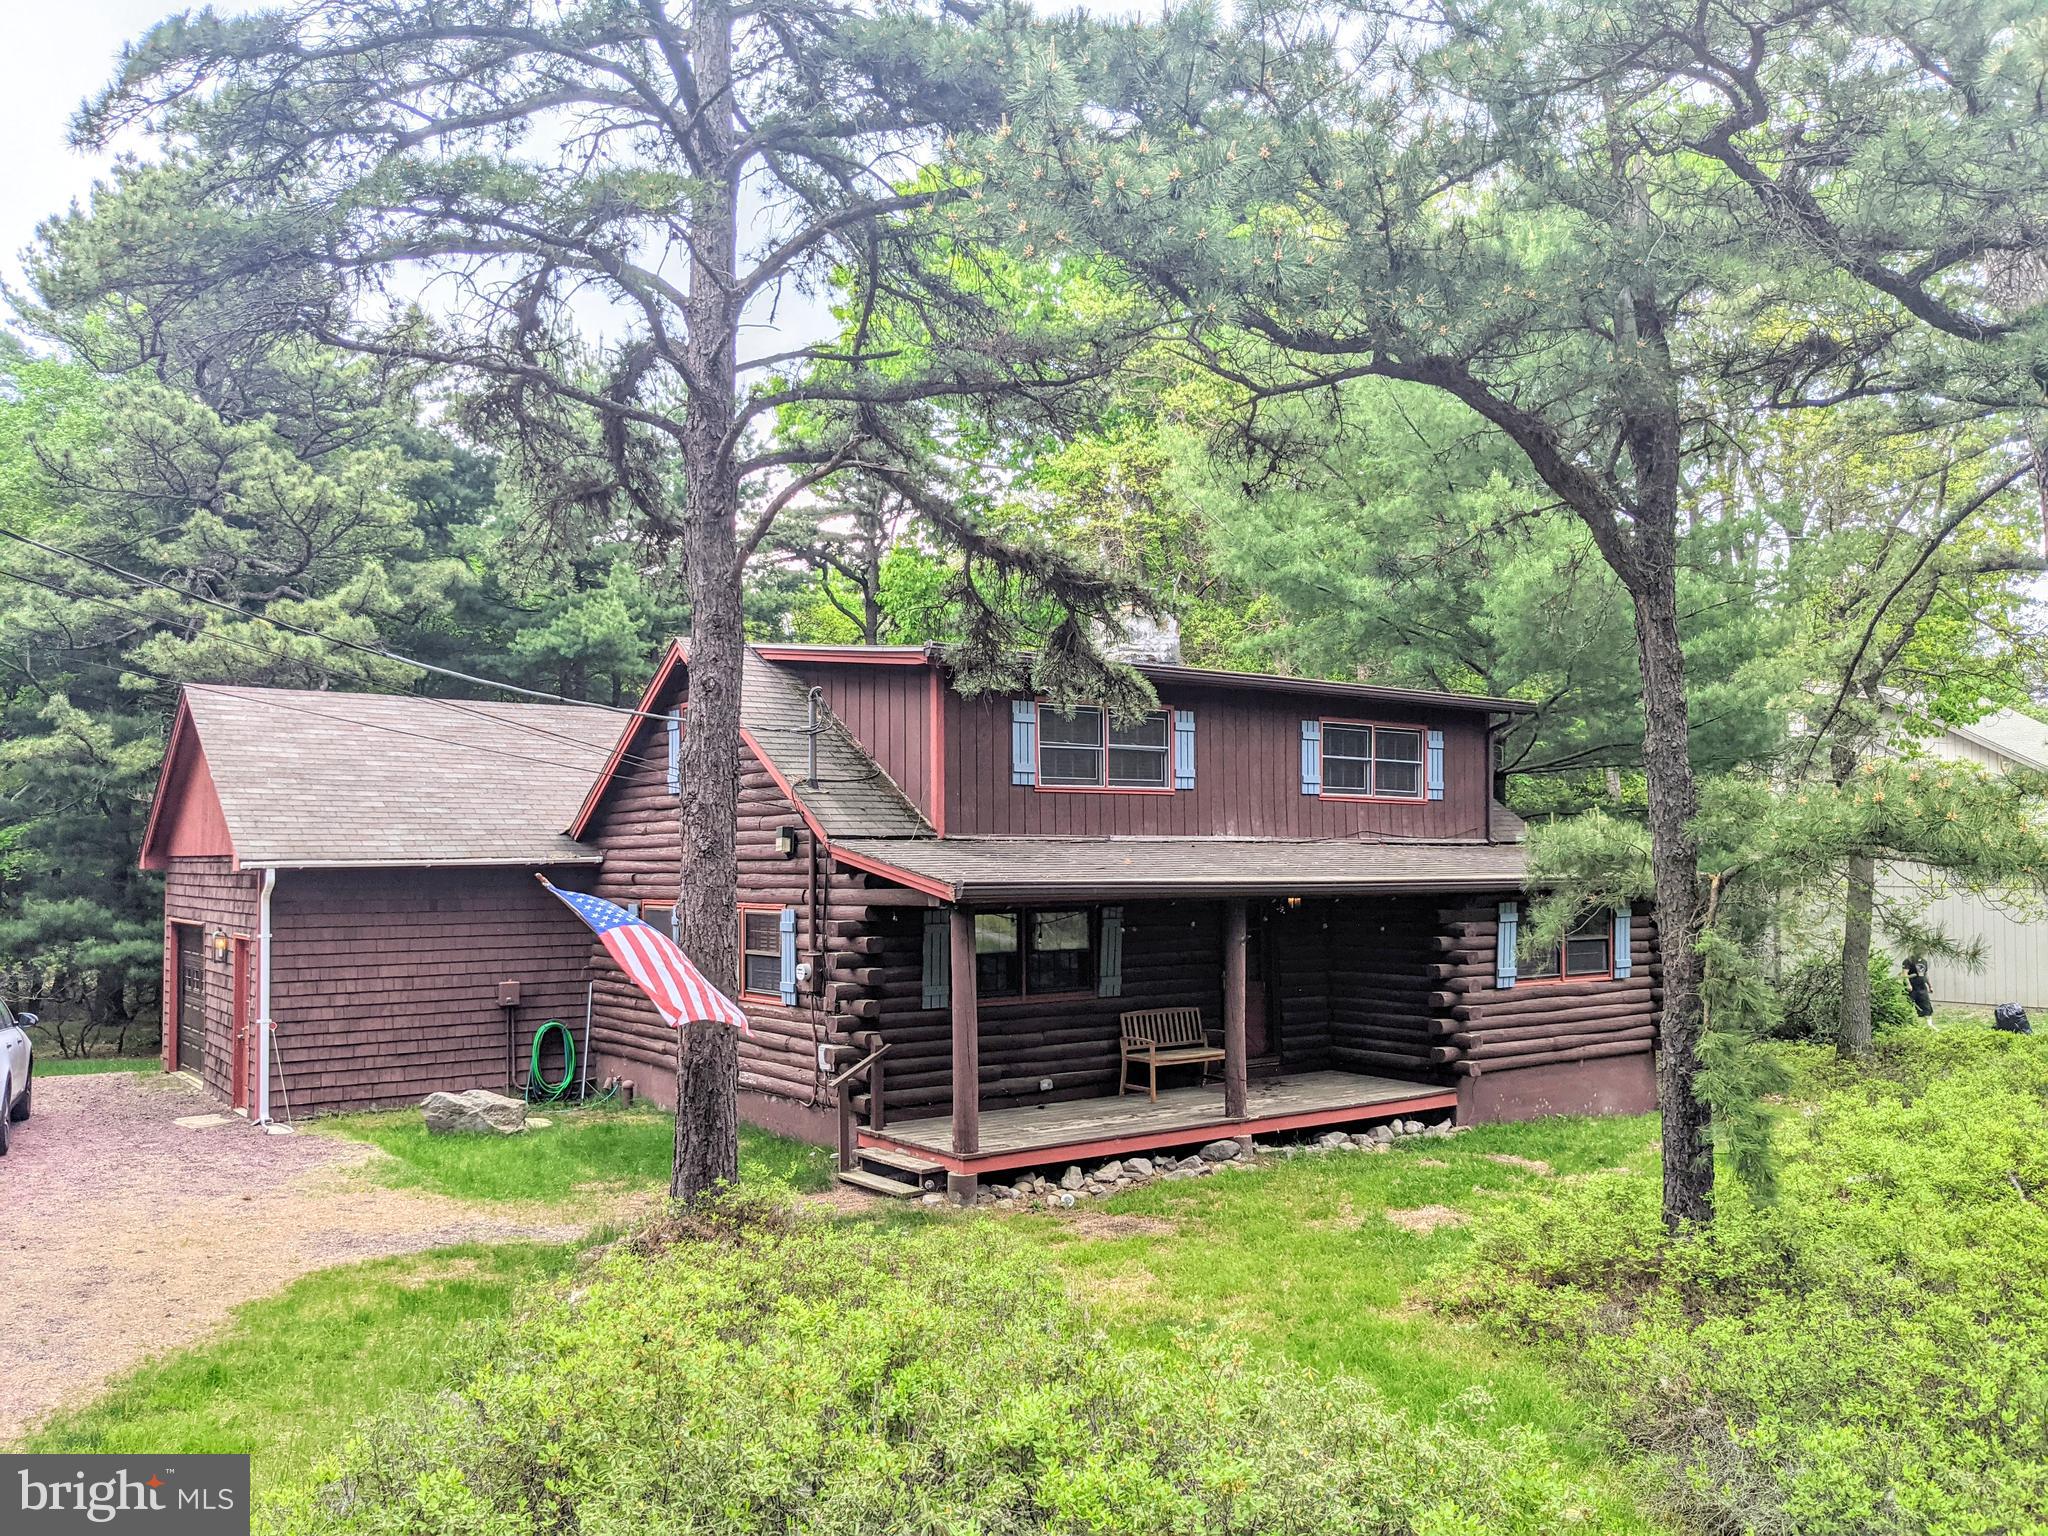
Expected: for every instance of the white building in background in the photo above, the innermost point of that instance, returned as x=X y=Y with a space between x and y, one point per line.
x=2014 y=943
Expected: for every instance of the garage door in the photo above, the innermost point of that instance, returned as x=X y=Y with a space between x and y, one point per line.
x=191 y=999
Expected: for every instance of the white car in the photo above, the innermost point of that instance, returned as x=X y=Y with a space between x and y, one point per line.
x=16 y=1061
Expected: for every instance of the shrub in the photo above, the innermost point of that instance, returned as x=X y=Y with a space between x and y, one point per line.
x=1812 y=998
x=753 y=1371
x=1867 y=1354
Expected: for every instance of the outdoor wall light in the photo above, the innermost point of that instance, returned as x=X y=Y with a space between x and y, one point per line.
x=1293 y=902
x=220 y=943
x=785 y=841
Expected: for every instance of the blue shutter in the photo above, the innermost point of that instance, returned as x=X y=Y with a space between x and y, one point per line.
x=1504 y=944
x=789 y=957
x=1622 y=968
x=938 y=958
x=675 y=751
x=1023 y=741
x=675 y=922
x=1183 y=756
x=1436 y=765
x=1109 y=969
x=1311 y=757
x=633 y=909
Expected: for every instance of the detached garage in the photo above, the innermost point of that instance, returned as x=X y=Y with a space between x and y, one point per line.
x=357 y=869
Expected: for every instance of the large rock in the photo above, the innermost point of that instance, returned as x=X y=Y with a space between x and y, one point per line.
x=479 y=1112
x=1220 y=1151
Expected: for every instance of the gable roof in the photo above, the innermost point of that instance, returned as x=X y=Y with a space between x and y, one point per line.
x=853 y=796
x=2010 y=734
x=309 y=779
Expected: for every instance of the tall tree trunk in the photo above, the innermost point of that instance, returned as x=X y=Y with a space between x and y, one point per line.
x=1674 y=855
x=707 y=1068
x=1852 y=1026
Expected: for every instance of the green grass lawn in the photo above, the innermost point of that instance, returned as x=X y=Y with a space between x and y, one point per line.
x=295 y=1371
x=85 y=1066
x=579 y=1153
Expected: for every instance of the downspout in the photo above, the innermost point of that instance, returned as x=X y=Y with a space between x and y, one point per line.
x=263 y=1025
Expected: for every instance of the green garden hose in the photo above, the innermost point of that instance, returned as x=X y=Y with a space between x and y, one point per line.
x=538 y=1089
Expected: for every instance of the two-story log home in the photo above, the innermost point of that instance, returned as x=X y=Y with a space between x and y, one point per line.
x=972 y=928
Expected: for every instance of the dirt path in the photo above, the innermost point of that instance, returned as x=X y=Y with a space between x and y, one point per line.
x=123 y=1233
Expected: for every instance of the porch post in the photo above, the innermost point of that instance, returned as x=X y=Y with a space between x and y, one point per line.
x=966 y=1054
x=1235 y=928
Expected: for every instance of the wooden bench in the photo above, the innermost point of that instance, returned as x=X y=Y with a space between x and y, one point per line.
x=1163 y=1037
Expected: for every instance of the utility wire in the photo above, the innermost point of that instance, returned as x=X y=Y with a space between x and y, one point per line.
x=267 y=698
x=368 y=650
x=459 y=705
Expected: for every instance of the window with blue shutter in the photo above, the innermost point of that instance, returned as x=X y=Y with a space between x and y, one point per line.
x=1505 y=939
x=675 y=751
x=938 y=958
x=1183 y=756
x=632 y=909
x=1311 y=757
x=1436 y=765
x=1109 y=965
x=1622 y=968
x=1023 y=741
x=788 y=957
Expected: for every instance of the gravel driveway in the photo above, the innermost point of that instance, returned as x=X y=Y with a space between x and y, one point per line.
x=123 y=1233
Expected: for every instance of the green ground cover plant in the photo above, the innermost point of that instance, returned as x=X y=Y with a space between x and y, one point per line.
x=84 y=1066
x=1866 y=1353
x=756 y=1369
x=579 y=1152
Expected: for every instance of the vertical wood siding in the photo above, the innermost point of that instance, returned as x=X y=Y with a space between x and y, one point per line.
x=385 y=982
x=1247 y=780
x=2013 y=941
x=888 y=711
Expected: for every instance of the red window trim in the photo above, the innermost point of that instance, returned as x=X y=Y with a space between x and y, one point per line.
x=1038 y=765
x=1563 y=953
x=1420 y=797
x=778 y=908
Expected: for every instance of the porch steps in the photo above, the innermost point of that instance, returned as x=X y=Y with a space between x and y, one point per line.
x=876 y=1184
x=905 y=1172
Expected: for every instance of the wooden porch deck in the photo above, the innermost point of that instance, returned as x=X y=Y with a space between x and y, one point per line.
x=1110 y=1127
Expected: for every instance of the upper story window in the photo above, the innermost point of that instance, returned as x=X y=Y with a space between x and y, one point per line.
x=1088 y=750
x=1381 y=761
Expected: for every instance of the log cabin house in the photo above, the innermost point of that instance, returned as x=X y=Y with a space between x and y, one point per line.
x=934 y=889
x=937 y=889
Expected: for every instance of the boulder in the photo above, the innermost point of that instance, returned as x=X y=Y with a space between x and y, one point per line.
x=478 y=1112
x=1073 y=1178
x=1333 y=1139
x=1138 y=1167
x=1220 y=1151
x=1110 y=1171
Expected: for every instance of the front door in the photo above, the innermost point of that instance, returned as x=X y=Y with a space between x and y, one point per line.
x=241 y=1057
x=1258 y=1026
x=191 y=941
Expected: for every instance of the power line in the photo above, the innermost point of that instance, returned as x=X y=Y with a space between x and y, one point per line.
x=267 y=698
x=352 y=645
x=461 y=706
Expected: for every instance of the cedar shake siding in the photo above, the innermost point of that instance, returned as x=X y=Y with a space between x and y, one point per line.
x=1248 y=753
x=385 y=982
x=211 y=895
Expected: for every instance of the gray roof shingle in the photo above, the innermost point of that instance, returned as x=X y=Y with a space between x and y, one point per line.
x=984 y=869
x=316 y=779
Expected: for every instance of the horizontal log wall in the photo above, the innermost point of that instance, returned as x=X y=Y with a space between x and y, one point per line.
x=639 y=831
x=212 y=894
x=1479 y=1027
x=1380 y=954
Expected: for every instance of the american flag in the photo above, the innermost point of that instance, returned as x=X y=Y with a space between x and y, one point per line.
x=656 y=965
